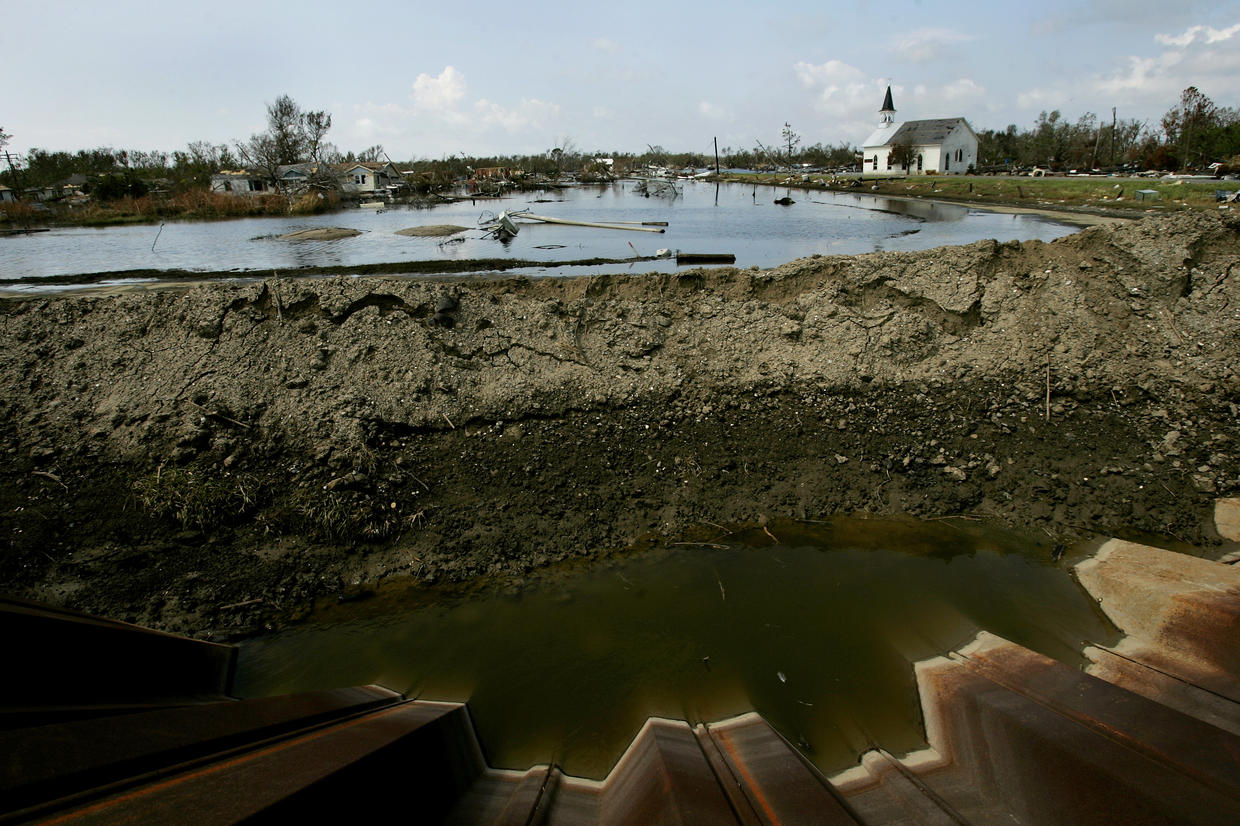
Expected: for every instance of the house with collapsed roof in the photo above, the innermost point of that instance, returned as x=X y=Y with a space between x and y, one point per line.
x=368 y=177
x=359 y=178
x=241 y=182
x=945 y=146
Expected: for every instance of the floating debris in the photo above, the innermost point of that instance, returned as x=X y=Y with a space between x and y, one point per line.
x=500 y=226
x=632 y=226
x=704 y=258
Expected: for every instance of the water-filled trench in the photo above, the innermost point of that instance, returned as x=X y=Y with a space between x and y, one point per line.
x=814 y=625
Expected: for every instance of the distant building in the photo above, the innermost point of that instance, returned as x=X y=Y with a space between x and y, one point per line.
x=943 y=146
x=359 y=178
x=369 y=177
x=240 y=182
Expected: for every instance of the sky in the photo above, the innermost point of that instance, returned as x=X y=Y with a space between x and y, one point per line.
x=429 y=80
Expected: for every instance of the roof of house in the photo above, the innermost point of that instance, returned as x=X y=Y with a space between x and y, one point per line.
x=237 y=173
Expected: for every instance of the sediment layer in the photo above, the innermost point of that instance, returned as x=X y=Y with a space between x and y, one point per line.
x=210 y=459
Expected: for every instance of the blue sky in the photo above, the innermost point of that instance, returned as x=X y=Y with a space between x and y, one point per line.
x=481 y=77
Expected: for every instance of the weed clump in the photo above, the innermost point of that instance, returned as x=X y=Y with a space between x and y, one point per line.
x=195 y=499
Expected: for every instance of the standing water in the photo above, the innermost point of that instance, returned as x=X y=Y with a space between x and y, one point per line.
x=703 y=218
x=814 y=625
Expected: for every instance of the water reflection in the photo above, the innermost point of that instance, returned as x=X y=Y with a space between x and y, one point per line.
x=813 y=625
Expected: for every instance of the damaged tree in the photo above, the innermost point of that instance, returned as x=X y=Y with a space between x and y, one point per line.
x=292 y=136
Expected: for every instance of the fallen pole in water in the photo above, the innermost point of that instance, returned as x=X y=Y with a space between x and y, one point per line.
x=704 y=258
x=544 y=219
x=643 y=223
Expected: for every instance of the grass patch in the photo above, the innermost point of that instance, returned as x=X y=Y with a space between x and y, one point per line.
x=1044 y=193
x=337 y=516
x=195 y=499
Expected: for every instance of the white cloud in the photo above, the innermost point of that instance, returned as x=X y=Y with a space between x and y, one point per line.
x=927 y=44
x=850 y=99
x=604 y=113
x=1129 y=14
x=529 y=113
x=964 y=90
x=711 y=110
x=441 y=93
x=604 y=45
x=831 y=73
x=1200 y=56
x=1211 y=35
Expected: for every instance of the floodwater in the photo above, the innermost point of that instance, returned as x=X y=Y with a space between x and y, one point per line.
x=702 y=218
x=815 y=625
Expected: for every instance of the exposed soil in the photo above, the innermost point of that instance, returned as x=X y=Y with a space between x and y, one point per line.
x=320 y=234
x=431 y=230
x=211 y=460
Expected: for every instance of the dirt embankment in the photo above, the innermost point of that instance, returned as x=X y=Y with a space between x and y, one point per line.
x=211 y=460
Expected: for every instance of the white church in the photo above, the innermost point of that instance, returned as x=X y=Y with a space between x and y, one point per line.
x=945 y=146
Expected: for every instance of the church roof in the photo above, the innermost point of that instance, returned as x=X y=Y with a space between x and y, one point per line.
x=916 y=132
x=882 y=135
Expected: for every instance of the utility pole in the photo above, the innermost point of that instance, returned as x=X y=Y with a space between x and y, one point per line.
x=1112 y=138
x=17 y=186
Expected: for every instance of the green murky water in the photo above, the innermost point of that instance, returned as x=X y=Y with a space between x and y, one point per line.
x=816 y=626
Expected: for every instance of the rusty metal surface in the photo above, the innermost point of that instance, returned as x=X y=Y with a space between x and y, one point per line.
x=882 y=790
x=1009 y=754
x=354 y=771
x=1181 y=743
x=506 y=798
x=56 y=653
x=663 y=777
x=1181 y=614
x=49 y=762
x=777 y=784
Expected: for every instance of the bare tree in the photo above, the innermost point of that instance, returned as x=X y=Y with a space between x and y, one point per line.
x=286 y=125
x=316 y=126
x=791 y=140
x=372 y=154
x=261 y=153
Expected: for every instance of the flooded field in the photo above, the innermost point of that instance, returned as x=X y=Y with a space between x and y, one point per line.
x=815 y=625
x=703 y=218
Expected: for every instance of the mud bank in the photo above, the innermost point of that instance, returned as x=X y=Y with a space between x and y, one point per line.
x=212 y=460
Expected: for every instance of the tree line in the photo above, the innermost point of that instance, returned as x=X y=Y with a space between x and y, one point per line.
x=1193 y=133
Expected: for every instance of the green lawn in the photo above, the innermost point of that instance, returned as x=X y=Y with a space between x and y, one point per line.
x=1046 y=193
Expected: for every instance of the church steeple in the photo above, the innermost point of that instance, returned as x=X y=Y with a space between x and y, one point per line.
x=888 y=112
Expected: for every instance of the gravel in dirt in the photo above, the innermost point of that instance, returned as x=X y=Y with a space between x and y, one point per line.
x=210 y=461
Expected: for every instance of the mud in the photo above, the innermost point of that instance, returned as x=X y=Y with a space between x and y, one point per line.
x=319 y=234
x=431 y=230
x=211 y=460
